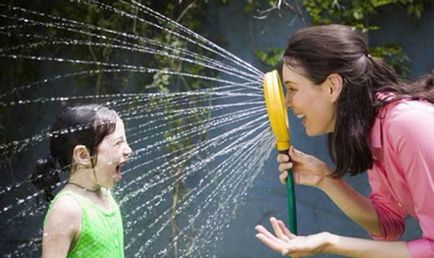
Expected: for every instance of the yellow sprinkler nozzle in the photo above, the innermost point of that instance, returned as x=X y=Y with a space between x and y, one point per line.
x=277 y=114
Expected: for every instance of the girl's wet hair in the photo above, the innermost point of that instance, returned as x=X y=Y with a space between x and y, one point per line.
x=320 y=51
x=80 y=125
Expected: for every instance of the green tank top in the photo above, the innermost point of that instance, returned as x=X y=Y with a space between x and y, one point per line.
x=101 y=233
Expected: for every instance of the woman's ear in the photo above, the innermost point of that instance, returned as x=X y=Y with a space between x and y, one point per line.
x=81 y=156
x=334 y=84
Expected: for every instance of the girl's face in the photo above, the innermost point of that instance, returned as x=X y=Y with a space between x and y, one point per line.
x=309 y=102
x=113 y=153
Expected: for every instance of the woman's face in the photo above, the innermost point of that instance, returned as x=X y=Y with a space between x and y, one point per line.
x=309 y=102
x=113 y=153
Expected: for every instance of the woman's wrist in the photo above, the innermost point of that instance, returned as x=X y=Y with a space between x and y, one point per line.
x=327 y=181
x=331 y=243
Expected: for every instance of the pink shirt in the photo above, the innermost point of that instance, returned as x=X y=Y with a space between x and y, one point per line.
x=402 y=178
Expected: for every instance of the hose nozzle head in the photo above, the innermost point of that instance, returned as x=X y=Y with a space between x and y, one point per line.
x=276 y=109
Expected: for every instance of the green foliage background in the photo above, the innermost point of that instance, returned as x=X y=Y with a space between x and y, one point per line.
x=359 y=14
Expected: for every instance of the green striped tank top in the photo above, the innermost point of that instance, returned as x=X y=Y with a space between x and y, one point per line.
x=101 y=233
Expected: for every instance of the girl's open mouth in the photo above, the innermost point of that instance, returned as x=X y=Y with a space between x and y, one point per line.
x=118 y=170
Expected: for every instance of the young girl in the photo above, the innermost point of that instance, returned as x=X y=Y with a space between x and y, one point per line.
x=375 y=123
x=83 y=219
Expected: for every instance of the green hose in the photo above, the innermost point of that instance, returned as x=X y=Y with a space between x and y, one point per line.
x=292 y=211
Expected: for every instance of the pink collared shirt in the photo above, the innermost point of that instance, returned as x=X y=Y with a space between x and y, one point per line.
x=402 y=178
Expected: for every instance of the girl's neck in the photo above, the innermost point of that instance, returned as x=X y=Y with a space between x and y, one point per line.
x=83 y=179
x=98 y=196
x=96 y=190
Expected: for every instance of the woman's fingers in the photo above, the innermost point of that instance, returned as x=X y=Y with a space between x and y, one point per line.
x=287 y=243
x=285 y=230
x=269 y=239
x=275 y=246
x=281 y=158
x=262 y=230
x=285 y=166
x=278 y=230
x=283 y=176
x=281 y=241
x=296 y=155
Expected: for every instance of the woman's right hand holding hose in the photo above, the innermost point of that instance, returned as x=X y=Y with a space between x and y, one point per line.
x=307 y=169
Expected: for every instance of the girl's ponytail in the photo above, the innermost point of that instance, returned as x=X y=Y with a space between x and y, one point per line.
x=46 y=175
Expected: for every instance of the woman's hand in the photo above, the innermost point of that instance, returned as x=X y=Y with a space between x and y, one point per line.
x=307 y=169
x=286 y=243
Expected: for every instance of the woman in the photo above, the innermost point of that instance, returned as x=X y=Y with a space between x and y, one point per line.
x=374 y=122
x=83 y=219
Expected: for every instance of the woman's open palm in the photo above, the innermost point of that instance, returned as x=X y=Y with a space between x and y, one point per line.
x=286 y=243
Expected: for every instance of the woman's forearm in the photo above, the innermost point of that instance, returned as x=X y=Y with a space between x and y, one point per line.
x=354 y=205
x=361 y=248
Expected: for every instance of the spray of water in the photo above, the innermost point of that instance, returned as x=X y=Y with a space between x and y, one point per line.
x=197 y=150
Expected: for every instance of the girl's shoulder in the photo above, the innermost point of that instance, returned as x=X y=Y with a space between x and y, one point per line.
x=65 y=205
x=62 y=224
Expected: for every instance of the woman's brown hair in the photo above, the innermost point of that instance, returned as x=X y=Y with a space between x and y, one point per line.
x=322 y=50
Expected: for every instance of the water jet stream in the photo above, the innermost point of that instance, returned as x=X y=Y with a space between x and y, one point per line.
x=197 y=149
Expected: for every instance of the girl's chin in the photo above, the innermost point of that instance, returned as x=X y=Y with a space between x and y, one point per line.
x=116 y=178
